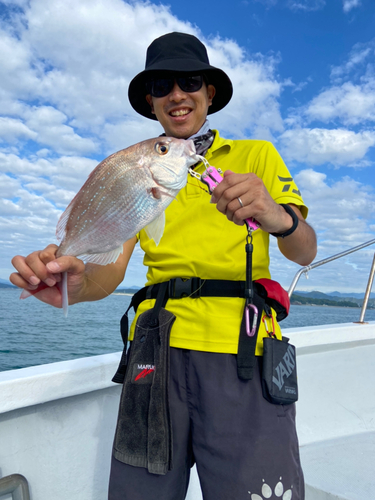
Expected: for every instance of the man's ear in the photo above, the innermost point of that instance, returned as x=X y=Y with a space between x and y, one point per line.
x=211 y=91
x=149 y=100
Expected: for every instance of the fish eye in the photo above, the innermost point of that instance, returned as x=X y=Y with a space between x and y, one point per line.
x=161 y=148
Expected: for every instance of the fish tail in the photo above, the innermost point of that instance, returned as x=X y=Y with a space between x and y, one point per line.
x=64 y=293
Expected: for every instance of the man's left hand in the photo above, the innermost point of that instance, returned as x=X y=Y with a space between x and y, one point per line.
x=242 y=196
x=256 y=202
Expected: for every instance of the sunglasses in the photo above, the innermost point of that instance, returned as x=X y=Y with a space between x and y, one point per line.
x=160 y=87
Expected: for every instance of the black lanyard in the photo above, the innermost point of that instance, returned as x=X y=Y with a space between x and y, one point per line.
x=249 y=290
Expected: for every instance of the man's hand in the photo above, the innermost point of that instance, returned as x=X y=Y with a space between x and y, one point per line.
x=40 y=273
x=256 y=201
x=300 y=246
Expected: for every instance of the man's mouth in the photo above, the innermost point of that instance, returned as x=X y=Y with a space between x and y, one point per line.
x=180 y=112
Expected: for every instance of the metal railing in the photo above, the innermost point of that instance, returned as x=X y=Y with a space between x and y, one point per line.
x=306 y=269
x=16 y=485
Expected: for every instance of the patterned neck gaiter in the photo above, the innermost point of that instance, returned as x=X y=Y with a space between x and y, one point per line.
x=203 y=139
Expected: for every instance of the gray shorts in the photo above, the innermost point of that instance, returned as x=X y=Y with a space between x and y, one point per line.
x=245 y=448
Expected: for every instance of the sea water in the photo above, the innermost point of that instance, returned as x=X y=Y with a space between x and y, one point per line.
x=33 y=333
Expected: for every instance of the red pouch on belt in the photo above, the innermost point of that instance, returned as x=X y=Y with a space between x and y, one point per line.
x=277 y=297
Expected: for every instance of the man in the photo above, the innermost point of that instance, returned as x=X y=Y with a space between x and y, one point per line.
x=242 y=444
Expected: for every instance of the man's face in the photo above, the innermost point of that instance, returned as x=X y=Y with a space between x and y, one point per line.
x=180 y=113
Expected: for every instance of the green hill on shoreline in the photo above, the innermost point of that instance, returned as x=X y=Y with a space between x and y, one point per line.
x=301 y=300
x=321 y=299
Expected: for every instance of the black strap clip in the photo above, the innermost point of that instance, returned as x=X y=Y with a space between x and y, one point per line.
x=181 y=287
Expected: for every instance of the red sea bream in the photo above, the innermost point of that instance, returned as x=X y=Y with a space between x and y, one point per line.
x=126 y=192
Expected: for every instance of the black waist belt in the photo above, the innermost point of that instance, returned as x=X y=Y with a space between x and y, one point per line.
x=178 y=288
x=194 y=288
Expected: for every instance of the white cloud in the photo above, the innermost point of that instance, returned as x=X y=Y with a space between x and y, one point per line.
x=306 y=5
x=352 y=198
x=29 y=205
x=356 y=60
x=84 y=49
x=341 y=213
x=13 y=164
x=74 y=58
x=319 y=146
x=300 y=86
x=49 y=123
x=8 y=185
x=18 y=78
x=127 y=132
x=348 y=5
x=348 y=106
x=352 y=104
x=256 y=112
x=56 y=179
x=11 y=130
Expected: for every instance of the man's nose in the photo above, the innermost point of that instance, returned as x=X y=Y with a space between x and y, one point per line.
x=176 y=94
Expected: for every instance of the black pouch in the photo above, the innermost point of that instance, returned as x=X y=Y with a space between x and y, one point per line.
x=279 y=373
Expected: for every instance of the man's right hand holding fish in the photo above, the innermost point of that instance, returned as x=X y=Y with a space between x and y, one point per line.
x=41 y=270
x=220 y=417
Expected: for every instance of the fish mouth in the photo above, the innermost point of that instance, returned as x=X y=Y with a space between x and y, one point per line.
x=190 y=149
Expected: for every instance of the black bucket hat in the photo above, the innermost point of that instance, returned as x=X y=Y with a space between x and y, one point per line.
x=178 y=53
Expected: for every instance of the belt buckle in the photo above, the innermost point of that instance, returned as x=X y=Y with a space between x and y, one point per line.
x=184 y=287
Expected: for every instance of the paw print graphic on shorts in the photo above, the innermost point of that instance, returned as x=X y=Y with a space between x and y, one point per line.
x=278 y=492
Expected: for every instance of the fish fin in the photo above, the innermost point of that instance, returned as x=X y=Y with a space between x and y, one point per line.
x=155 y=229
x=25 y=294
x=61 y=225
x=156 y=193
x=103 y=258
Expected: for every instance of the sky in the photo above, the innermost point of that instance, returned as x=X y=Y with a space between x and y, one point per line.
x=303 y=73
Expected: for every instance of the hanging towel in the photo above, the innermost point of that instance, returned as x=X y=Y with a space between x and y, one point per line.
x=144 y=433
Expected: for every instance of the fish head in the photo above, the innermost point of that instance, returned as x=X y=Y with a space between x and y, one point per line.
x=170 y=162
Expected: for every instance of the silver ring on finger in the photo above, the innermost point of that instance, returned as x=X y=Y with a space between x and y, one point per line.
x=240 y=201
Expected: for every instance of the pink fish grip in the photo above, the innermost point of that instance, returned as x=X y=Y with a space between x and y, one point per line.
x=212 y=178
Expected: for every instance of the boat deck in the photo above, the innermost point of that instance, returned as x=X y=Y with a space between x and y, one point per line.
x=336 y=413
x=57 y=421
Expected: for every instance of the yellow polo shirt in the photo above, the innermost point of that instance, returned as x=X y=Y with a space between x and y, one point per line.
x=200 y=241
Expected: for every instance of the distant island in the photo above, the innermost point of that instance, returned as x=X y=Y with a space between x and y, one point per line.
x=6 y=285
x=132 y=290
x=321 y=299
x=299 y=300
